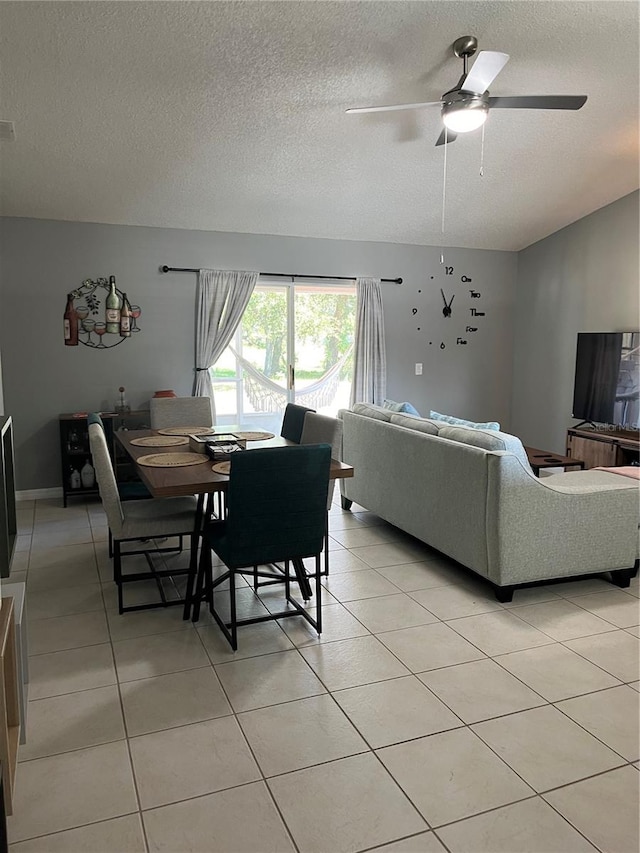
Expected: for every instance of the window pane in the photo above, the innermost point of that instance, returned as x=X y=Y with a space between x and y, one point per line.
x=324 y=325
x=225 y=367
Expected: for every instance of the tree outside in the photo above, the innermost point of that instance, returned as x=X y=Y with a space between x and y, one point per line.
x=324 y=323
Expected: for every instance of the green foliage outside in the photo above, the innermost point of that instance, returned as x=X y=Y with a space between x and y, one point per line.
x=324 y=319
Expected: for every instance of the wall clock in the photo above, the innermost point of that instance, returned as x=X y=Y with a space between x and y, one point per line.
x=461 y=312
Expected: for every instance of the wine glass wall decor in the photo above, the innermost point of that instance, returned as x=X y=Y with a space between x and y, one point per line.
x=99 y=315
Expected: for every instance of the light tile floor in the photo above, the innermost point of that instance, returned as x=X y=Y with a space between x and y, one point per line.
x=427 y=717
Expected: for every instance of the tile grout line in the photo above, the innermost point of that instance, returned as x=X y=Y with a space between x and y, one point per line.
x=330 y=693
x=124 y=725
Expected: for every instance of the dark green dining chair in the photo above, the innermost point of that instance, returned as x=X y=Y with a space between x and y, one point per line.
x=293 y=421
x=276 y=511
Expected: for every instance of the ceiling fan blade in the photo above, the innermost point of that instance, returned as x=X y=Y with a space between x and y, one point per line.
x=393 y=107
x=484 y=71
x=539 y=102
x=451 y=137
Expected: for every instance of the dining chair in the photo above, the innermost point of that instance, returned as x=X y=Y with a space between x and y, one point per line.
x=133 y=491
x=276 y=509
x=180 y=411
x=293 y=421
x=320 y=429
x=153 y=518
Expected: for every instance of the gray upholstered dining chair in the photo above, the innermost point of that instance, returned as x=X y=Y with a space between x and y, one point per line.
x=180 y=411
x=320 y=429
x=131 y=491
x=154 y=518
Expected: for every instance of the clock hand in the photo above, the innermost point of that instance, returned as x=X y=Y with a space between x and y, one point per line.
x=452 y=298
x=444 y=298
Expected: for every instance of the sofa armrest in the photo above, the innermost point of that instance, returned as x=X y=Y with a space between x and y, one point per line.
x=538 y=530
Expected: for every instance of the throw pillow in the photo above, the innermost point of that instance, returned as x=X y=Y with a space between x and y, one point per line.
x=403 y=408
x=436 y=416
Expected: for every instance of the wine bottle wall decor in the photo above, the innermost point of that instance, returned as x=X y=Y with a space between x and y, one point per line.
x=99 y=315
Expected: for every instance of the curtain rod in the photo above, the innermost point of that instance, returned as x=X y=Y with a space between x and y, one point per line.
x=165 y=268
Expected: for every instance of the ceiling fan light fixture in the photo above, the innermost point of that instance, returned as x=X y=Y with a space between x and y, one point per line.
x=460 y=117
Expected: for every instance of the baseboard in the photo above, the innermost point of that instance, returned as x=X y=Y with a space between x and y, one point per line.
x=39 y=494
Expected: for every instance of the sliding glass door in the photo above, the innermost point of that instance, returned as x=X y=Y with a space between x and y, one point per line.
x=294 y=344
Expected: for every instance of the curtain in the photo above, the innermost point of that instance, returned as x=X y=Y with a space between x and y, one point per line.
x=370 y=360
x=221 y=299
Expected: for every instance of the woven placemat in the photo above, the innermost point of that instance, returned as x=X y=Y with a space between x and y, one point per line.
x=187 y=430
x=254 y=436
x=222 y=468
x=160 y=441
x=171 y=460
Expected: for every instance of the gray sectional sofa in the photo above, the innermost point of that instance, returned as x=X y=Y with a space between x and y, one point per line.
x=471 y=494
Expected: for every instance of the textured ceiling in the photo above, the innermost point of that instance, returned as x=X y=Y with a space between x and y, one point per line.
x=230 y=116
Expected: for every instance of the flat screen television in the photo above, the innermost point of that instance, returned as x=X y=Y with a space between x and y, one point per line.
x=607 y=380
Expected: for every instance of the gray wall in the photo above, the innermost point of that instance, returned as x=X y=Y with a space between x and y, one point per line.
x=43 y=260
x=583 y=278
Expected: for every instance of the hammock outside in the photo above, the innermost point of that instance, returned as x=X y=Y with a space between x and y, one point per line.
x=266 y=395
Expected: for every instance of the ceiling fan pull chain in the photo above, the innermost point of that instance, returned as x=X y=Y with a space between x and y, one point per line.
x=444 y=190
x=482 y=154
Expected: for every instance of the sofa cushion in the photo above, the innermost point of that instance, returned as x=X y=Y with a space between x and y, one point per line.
x=419 y=424
x=402 y=408
x=371 y=411
x=487 y=440
x=436 y=416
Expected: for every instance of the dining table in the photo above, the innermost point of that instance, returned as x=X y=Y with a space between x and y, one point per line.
x=205 y=483
x=199 y=479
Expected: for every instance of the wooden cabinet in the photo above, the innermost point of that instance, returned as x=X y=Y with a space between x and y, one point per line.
x=75 y=452
x=608 y=449
x=8 y=523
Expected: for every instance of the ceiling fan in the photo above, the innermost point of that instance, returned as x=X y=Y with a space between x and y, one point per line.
x=467 y=105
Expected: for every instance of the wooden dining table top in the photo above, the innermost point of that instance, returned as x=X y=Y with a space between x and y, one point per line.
x=197 y=479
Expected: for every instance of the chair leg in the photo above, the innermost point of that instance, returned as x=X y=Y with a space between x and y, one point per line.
x=232 y=610
x=110 y=544
x=117 y=573
x=318 y=596
x=326 y=547
x=209 y=584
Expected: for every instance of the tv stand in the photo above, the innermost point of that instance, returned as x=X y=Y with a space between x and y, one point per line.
x=601 y=447
x=582 y=423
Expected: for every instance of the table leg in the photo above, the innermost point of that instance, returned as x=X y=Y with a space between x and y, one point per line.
x=193 y=562
x=302 y=578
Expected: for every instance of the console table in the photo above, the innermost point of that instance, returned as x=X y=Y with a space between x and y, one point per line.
x=545 y=459
x=607 y=448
